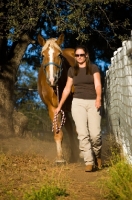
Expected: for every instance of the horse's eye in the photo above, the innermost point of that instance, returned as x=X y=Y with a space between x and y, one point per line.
x=60 y=55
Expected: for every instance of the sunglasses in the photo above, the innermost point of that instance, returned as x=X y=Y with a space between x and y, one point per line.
x=81 y=55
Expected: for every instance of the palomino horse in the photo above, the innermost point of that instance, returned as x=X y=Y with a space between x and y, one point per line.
x=52 y=78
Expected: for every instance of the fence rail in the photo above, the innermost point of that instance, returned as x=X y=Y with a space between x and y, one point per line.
x=118 y=97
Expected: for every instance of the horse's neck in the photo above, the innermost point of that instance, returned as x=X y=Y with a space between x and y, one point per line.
x=67 y=62
x=69 y=56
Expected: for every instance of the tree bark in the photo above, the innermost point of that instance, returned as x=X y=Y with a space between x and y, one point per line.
x=7 y=82
x=20 y=122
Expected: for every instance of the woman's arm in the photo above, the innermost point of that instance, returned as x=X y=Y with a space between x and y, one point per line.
x=65 y=93
x=98 y=88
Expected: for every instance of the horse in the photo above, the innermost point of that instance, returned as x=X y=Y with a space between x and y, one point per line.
x=52 y=78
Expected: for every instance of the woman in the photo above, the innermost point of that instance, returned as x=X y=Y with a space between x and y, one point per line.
x=85 y=78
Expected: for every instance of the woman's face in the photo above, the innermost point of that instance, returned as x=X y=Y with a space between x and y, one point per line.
x=80 y=56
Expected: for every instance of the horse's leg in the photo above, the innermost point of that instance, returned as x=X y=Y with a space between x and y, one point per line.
x=71 y=130
x=57 y=137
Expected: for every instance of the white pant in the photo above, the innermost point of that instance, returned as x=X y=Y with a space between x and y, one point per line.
x=87 y=120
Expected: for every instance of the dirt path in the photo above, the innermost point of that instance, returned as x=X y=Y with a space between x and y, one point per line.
x=25 y=162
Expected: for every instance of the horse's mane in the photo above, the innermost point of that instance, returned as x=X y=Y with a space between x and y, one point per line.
x=52 y=43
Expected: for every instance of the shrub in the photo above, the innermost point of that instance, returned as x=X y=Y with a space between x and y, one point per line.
x=118 y=185
x=47 y=192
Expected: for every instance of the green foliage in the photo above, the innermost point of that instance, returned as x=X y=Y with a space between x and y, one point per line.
x=87 y=18
x=83 y=18
x=47 y=192
x=19 y=16
x=118 y=185
x=115 y=154
x=98 y=24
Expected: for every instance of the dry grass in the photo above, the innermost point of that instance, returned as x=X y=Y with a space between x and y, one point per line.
x=24 y=166
x=22 y=173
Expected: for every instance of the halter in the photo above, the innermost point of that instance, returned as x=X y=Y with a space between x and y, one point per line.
x=52 y=63
x=63 y=118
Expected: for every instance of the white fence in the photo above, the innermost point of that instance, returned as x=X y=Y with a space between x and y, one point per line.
x=118 y=97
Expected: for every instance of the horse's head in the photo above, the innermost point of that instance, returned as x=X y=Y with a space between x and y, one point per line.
x=52 y=58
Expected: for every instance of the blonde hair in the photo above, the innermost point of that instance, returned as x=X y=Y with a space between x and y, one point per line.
x=51 y=42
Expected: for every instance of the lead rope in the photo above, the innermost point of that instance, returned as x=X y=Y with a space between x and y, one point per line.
x=63 y=118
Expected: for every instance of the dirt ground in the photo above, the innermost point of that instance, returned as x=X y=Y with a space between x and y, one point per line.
x=26 y=162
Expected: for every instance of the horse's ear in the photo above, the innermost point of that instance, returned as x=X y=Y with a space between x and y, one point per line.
x=41 y=40
x=60 y=40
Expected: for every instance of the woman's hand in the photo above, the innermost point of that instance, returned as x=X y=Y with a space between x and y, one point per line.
x=57 y=110
x=98 y=88
x=98 y=103
x=65 y=94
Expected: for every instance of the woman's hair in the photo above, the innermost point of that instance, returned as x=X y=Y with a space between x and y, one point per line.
x=88 y=65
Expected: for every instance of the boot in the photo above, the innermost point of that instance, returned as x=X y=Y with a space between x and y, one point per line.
x=99 y=163
x=89 y=168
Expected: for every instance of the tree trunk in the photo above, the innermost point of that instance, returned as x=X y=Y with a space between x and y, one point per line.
x=7 y=82
x=6 y=104
x=20 y=122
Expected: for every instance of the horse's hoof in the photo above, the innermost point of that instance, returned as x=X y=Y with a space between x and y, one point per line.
x=60 y=162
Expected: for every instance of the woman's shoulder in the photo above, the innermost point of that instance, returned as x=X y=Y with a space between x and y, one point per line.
x=93 y=64
x=70 y=69
x=94 y=67
x=70 y=72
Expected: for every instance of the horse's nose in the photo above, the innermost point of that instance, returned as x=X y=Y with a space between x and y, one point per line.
x=51 y=80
